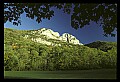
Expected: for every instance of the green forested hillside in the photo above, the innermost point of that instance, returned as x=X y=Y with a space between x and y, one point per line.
x=102 y=45
x=21 y=54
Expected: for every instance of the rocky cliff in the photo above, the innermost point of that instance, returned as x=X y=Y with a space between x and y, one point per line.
x=45 y=36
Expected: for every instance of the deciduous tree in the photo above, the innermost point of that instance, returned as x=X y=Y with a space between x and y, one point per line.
x=104 y=14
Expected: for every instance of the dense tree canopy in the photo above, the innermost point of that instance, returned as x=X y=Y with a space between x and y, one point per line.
x=104 y=46
x=82 y=14
x=21 y=54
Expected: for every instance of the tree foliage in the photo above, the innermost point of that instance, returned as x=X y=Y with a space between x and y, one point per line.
x=35 y=56
x=104 y=14
x=102 y=45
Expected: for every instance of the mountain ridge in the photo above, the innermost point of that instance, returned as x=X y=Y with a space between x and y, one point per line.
x=43 y=35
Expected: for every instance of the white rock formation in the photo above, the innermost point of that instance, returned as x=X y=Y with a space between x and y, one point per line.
x=42 y=41
x=50 y=34
x=69 y=38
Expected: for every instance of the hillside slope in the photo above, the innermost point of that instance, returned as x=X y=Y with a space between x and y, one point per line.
x=22 y=52
x=45 y=36
x=102 y=45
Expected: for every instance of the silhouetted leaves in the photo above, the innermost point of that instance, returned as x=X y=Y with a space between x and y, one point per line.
x=103 y=14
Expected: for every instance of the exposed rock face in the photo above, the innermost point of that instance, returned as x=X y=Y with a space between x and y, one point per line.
x=69 y=38
x=42 y=41
x=50 y=34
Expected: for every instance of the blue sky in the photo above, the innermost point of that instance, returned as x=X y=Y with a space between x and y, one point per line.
x=60 y=22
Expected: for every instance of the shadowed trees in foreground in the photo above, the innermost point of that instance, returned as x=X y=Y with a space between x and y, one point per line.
x=81 y=14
